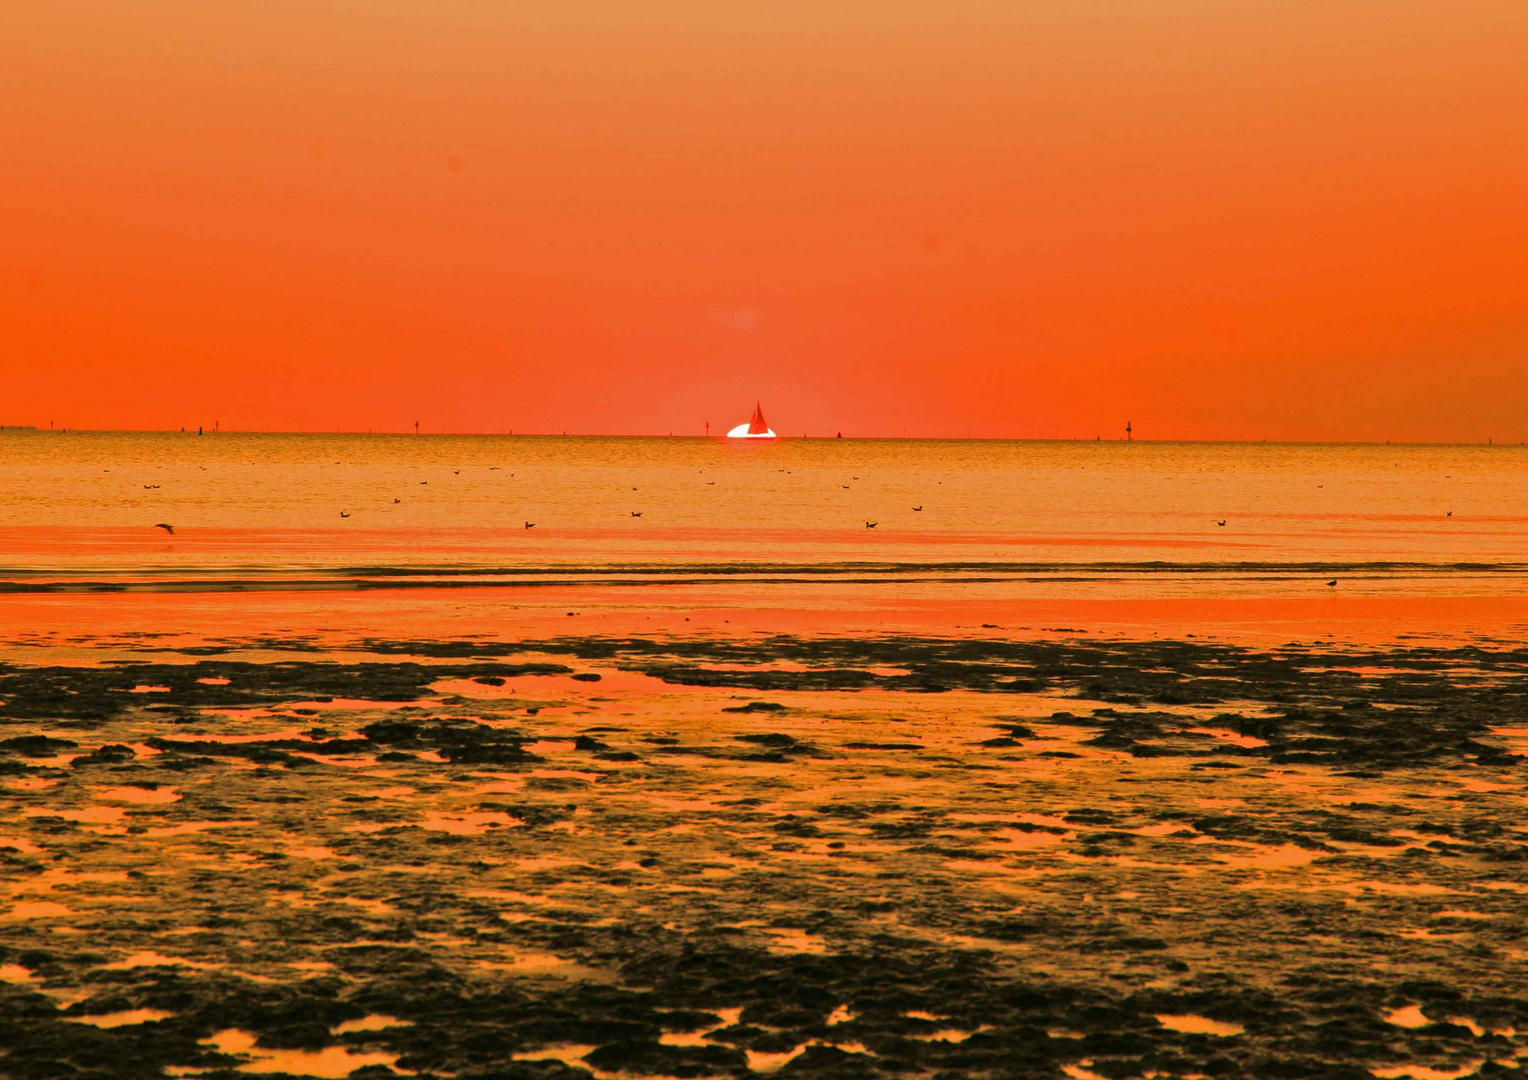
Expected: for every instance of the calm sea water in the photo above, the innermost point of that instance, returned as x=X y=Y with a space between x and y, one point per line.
x=92 y=501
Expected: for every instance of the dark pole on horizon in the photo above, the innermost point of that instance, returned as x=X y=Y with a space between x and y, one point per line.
x=416 y=427
x=1129 y=432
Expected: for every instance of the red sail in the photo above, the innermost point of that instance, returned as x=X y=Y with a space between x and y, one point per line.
x=757 y=426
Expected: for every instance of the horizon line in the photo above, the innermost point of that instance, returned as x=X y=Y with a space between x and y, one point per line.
x=1490 y=443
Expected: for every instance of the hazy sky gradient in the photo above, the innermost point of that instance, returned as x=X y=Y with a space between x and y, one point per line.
x=1231 y=219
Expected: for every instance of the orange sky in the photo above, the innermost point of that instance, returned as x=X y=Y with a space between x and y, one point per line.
x=1214 y=218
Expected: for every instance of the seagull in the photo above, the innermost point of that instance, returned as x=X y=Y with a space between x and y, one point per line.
x=636 y=513
x=1449 y=514
x=424 y=481
x=710 y=483
x=1222 y=524
x=871 y=524
x=918 y=509
x=344 y=513
x=530 y=524
x=456 y=472
x=167 y=528
x=397 y=501
x=846 y=487
x=1329 y=584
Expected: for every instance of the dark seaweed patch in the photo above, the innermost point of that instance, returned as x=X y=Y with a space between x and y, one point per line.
x=458 y=741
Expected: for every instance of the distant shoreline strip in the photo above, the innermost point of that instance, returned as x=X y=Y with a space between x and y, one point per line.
x=362 y=578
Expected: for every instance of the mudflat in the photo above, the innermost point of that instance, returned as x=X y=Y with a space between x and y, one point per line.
x=810 y=856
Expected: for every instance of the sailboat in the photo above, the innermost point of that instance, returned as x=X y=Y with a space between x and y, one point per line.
x=756 y=428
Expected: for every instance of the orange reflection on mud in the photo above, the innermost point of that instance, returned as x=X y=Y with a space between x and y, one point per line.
x=330 y=1063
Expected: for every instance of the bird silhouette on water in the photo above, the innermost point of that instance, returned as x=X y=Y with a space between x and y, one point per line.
x=344 y=514
x=871 y=524
x=636 y=513
x=1331 y=583
x=1222 y=524
x=397 y=501
x=530 y=524
x=167 y=528
x=918 y=509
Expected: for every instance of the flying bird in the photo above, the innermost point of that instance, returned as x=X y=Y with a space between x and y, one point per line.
x=167 y=528
x=871 y=524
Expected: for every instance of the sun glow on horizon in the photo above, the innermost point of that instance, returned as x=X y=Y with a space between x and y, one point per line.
x=742 y=432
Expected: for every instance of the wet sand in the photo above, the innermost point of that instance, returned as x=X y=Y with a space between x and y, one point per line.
x=615 y=845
